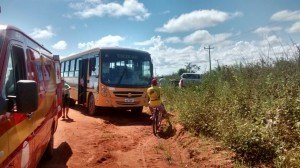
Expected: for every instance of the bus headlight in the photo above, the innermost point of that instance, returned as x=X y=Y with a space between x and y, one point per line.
x=104 y=91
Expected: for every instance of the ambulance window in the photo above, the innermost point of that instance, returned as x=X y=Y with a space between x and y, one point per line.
x=46 y=66
x=16 y=70
x=39 y=70
x=9 y=79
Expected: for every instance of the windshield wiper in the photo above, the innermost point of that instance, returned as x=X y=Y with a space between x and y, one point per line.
x=123 y=73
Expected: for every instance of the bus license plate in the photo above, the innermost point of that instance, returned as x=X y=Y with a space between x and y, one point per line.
x=128 y=100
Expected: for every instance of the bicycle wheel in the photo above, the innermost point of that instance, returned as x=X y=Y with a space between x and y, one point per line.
x=155 y=122
x=159 y=119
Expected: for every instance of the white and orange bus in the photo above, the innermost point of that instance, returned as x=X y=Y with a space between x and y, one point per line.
x=109 y=77
x=30 y=99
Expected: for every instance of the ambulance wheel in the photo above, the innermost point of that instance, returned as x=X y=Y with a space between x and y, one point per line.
x=50 y=150
x=91 y=105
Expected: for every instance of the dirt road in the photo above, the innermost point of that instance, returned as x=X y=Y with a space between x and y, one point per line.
x=122 y=139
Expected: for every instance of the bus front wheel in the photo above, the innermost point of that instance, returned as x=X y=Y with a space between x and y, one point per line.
x=137 y=110
x=91 y=105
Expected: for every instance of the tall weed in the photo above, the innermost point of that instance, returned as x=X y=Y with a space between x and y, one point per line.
x=254 y=108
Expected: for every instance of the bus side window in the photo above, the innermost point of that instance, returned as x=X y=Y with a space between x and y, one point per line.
x=62 y=69
x=66 y=71
x=97 y=67
x=72 y=68
x=76 y=73
x=92 y=64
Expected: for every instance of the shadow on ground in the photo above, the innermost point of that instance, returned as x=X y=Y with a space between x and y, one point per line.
x=60 y=157
x=68 y=120
x=167 y=131
x=118 y=117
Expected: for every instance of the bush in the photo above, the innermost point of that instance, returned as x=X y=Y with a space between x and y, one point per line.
x=252 y=143
x=253 y=108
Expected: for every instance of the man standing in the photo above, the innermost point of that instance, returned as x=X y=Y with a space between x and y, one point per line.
x=66 y=99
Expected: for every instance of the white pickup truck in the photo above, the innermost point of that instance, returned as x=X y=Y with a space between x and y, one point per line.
x=188 y=79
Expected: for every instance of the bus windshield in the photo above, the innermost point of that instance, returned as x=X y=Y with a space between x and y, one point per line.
x=125 y=68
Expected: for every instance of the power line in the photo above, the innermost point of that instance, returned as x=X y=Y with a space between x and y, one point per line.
x=209 y=48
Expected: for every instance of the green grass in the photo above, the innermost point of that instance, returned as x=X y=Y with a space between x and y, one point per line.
x=254 y=109
x=166 y=152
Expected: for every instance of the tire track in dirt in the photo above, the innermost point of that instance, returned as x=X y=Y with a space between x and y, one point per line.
x=122 y=139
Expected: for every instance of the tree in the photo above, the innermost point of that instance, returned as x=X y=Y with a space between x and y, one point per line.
x=189 y=68
x=181 y=71
x=192 y=68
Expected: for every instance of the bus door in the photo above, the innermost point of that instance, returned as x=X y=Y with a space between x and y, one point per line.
x=82 y=81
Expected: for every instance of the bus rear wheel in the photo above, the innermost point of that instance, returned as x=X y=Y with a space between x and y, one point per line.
x=91 y=105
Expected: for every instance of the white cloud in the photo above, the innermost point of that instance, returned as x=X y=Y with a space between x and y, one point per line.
x=168 y=60
x=286 y=15
x=42 y=33
x=130 y=8
x=172 y=40
x=157 y=40
x=270 y=41
x=196 y=20
x=60 y=45
x=295 y=28
x=107 y=41
x=204 y=37
x=266 y=30
x=146 y=42
x=237 y=14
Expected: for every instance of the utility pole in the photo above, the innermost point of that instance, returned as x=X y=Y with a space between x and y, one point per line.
x=209 y=48
x=217 y=60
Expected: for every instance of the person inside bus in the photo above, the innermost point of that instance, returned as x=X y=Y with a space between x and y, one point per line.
x=154 y=94
x=66 y=100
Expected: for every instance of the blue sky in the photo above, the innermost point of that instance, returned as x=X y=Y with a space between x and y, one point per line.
x=175 y=32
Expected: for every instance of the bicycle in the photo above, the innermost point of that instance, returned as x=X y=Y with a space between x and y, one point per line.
x=156 y=119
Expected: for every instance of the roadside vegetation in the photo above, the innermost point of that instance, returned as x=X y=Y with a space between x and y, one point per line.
x=253 y=108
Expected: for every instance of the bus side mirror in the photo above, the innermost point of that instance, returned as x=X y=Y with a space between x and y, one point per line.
x=27 y=96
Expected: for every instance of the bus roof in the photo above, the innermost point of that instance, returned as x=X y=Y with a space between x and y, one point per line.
x=98 y=50
x=10 y=27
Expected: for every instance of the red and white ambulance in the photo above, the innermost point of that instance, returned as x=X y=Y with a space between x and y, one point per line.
x=30 y=99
